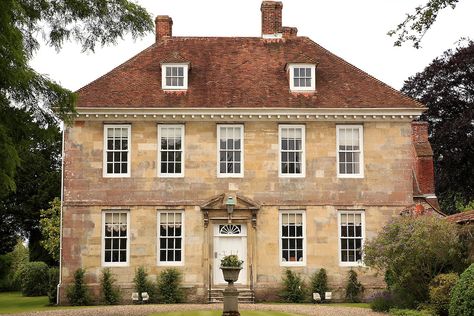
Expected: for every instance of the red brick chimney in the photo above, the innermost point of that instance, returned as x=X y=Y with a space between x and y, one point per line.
x=423 y=160
x=271 y=18
x=289 y=32
x=164 y=27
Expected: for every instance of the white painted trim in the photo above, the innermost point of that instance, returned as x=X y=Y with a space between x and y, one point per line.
x=303 y=156
x=129 y=154
x=171 y=175
x=291 y=263
x=185 y=76
x=242 y=141
x=291 y=68
x=362 y=218
x=183 y=243
x=361 y=158
x=243 y=230
x=272 y=36
x=115 y=264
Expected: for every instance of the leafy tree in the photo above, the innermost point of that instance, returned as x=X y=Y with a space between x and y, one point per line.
x=50 y=226
x=31 y=103
x=415 y=25
x=412 y=251
x=319 y=283
x=109 y=291
x=446 y=86
x=88 y=22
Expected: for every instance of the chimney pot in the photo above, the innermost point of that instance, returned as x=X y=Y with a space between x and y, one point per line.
x=271 y=17
x=164 y=27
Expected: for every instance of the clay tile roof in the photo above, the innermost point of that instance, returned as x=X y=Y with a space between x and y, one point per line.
x=239 y=72
x=463 y=217
x=174 y=57
x=302 y=58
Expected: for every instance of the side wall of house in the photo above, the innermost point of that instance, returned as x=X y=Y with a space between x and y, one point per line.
x=383 y=192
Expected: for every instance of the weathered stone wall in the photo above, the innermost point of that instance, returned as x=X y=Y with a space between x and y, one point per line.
x=383 y=192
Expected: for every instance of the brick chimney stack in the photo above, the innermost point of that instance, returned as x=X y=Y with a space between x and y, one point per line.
x=423 y=162
x=164 y=27
x=271 y=18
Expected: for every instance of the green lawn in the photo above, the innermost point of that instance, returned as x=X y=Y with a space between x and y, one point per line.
x=219 y=313
x=14 y=302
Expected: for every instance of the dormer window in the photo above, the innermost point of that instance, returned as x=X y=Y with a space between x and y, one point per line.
x=302 y=77
x=174 y=76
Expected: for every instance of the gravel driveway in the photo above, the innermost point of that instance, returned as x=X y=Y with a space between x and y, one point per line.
x=143 y=310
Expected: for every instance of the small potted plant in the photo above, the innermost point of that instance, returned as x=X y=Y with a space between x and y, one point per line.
x=231 y=266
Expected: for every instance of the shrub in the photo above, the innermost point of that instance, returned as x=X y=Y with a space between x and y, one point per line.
x=78 y=293
x=409 y=312
x=293 y=287
x=169 y=287
x=440 y=292
x=142 y=284
x=109 y=291
x=354 y=288
x=462 y=295
x=33 y=278
x=53 y=280
x=10 y=263
x=382 y=302
x=319 y=283
x=403 y=248
x=231 y=261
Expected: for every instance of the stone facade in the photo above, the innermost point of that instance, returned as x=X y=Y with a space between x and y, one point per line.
x=383 y=192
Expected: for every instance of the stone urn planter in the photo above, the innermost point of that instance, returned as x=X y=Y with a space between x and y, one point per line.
x=231 y=266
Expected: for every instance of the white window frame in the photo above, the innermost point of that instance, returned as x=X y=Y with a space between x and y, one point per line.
x=115 y=264
x=169 y=263
x=362 y=219
x=171 y=175
x=280 y=237
x=313 y=77
x=105 y=174
x=361 y=157
x=185 y=67
x=303 y=148
x=242 y=141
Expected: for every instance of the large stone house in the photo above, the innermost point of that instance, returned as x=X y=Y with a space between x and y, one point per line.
x=270 y=147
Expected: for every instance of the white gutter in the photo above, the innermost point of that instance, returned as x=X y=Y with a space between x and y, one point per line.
x=61 y=219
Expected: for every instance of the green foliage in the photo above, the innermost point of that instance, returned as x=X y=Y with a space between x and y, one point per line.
x=53 y=281
x=462 y=295
x=169 y=286
x=463 y=207
x=415 y=25
x=33 y=278
x=78 y=293
x=31 y=103
x=354 y=288
x=440 y=292
x=142 y=284
x=231 y=261
x=382 y=302
x=409 y=312
x=110 y=292
x=319 y=283
x=412 y=251
x=293 y=287
x=447 y=89
x=50 y=226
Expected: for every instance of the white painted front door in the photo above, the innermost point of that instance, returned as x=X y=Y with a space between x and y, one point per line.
x=230 y=239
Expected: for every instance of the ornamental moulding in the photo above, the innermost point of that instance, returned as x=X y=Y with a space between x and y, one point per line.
x=249 y=114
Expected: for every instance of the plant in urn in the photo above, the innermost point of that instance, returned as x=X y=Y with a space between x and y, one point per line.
x=231 y=266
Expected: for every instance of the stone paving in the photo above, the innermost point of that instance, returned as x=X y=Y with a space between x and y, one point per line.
x=143 y=310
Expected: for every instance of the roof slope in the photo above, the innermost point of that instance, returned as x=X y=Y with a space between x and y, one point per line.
x=239 y=72
x=463 y=217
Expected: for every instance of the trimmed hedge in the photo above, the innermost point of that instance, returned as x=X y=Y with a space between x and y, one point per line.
x=33 y=278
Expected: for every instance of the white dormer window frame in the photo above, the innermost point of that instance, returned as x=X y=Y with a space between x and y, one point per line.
x=299 y=77
x=174 y=76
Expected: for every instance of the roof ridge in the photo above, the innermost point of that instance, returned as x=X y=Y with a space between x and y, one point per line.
x=305 y=38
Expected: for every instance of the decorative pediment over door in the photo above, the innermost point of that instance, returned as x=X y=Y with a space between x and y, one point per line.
x=242 y=207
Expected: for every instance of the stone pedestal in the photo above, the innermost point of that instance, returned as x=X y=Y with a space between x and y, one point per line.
x=231 y=301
